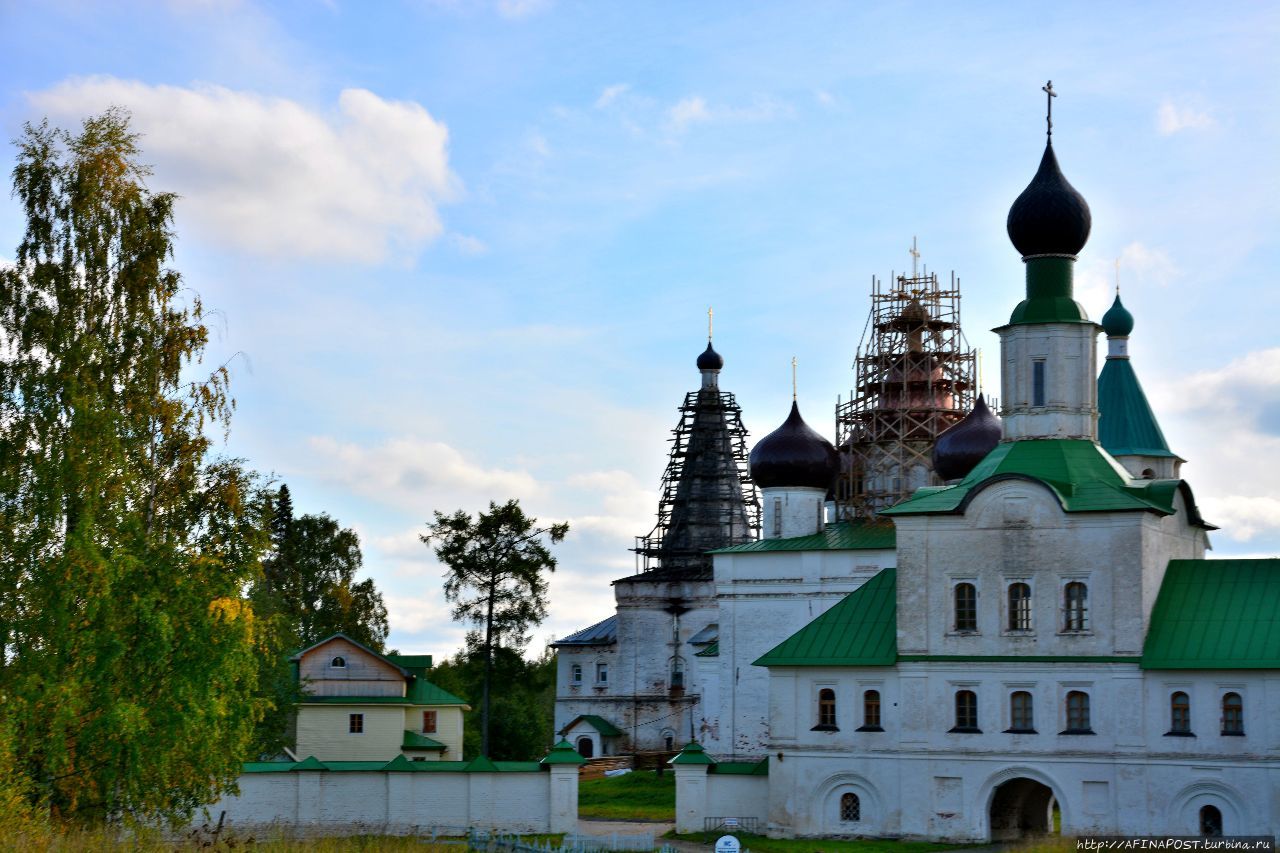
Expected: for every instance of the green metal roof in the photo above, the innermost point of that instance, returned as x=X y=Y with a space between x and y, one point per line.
x=414 y=740
x=423 y=692
x=1049 y=294
x=563 y=753
x=860 y=630
x=841 y=536
x=711 y=651
x=411 y=661
x=693 y=753
x=1216 y=614
x=741 y=768
x=1126 y=424
x=598 y=723
x=1081 y=474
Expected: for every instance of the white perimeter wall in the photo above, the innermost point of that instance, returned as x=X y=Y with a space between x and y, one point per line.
x=399 y=802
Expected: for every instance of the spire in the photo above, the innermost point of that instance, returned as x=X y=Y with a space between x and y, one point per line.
x=1049 y=224
x=707 y=501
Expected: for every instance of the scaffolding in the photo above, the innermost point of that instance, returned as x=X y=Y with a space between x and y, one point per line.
x=915 y=377
x=707 y=498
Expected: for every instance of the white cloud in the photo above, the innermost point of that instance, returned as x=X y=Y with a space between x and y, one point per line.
x=1242 y=517
x=515 y=9
x=360 y=182
x=694 y=109
x=824 y=97
x=1171 y=118
x=611 y=94
x=468 y=245
x=409 y=472
x=1140 y=264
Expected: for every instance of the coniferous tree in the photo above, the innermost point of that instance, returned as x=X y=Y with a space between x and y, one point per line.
x=495 y=581
x=128 y=657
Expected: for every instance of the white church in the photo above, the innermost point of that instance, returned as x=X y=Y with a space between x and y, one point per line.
x=1037 y=639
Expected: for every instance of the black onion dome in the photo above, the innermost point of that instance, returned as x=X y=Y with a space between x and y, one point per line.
x=710 y=359
x=959 y=450
x=794 y=456
x=1050 y=217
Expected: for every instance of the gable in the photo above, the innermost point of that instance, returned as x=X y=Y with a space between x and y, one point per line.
x=860 y=630
x=362 y=664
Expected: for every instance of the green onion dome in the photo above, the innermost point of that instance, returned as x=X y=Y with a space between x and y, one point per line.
x=1117 y=322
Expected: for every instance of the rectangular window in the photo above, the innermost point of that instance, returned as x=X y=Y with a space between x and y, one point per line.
x=966 y=607
x=777 y=516
x=575 y=673
x=1037 y=382
x=1075 y=605
x=602 y=673
x=355 y=724
x=428 y=722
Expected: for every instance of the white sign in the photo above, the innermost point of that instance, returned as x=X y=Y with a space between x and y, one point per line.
x=727 y=844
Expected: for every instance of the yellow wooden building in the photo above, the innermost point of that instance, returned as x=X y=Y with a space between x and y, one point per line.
x=364 y=706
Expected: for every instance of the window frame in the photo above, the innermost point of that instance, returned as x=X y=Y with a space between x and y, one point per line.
x=1179 y=715
x=1075 y=613
x=850 y=808
x=827 y=710
x=602 y=674
x=970 y=608
x=575 y=673
x=1078 y=710
x=965 y=706
x=1238 y=729
x=338 y=662
x=355 y=723
x=1019 y=617
x=1039 y=383
x=872 y=711
x=434 y=718
x=1025 y=715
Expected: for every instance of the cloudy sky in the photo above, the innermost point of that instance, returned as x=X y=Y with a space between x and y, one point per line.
x=467 y=247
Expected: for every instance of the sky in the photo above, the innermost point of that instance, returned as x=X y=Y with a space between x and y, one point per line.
x=462 y=251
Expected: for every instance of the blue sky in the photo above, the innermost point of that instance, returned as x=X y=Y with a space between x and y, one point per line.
x=467 y=248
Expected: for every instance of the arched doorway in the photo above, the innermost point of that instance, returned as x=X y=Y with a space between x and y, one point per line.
x=586 y=747
x=1021 y=807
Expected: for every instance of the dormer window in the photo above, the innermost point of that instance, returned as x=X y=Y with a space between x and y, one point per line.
x=338 y=663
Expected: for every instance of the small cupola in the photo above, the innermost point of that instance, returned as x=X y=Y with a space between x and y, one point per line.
x=1117 y=322
x=794 y=467
x=959 y=450
x=710 y=359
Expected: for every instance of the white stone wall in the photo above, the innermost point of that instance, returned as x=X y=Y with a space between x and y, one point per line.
x=655 y=621
x=1128 y=777
x=1069 y=353
x=792 y=512
x=345 y=803
x=1015 y=531
x=765 y=597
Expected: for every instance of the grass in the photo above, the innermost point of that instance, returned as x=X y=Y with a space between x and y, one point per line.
x=641 y=795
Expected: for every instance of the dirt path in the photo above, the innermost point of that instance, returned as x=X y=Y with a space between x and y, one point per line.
x=588 y=826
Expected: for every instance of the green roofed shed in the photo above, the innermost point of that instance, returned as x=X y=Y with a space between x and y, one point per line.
x=600 y=724
x=413 y=740
x=1216 y=614
x=860 y=630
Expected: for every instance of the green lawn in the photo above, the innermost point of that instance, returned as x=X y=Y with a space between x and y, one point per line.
x=641 y=795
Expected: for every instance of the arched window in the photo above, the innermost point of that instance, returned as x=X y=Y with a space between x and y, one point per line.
x=966 y=711
x=1021 y=715
x=586 y=747
x=1078 y=713
x=850 y=807
x=871 y=710
x=338 y=663
x=1210 y=821
x=1232 y=714
x=1075 y=606
x=1019 y=607
x=826 y=708
x=966 y=607
x=1179 y=714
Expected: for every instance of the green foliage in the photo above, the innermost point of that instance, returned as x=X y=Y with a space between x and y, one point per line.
x=129 y=672
x=495 y=581
x=521 y=724
x=308 y=591
x=641 y=795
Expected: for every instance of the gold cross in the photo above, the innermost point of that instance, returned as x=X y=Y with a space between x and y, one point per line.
x=793 y=377
x=1050 y=95
x=709 y=316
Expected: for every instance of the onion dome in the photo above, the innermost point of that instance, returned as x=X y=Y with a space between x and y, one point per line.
x=1117 y=322
x=794 y=456
x=710 y=359
x=1050 y=217
x=959 y=450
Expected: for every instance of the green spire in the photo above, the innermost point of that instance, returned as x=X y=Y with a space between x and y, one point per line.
x=1126 y=424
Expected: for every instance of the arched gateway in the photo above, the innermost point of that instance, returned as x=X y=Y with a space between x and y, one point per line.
x=1021 y=807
